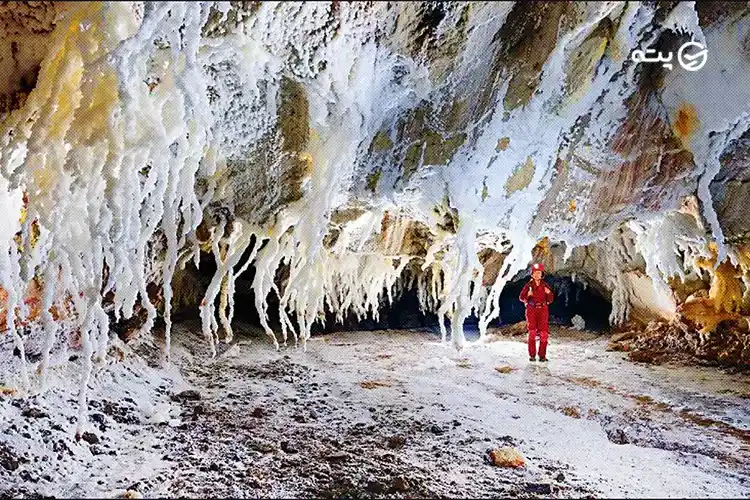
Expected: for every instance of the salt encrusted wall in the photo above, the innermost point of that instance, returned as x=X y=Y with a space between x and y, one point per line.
x=348 y=146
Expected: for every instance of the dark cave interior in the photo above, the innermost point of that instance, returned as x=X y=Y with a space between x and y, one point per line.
x=571 y=298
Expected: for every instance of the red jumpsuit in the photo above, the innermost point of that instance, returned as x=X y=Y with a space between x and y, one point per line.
x=537 y=314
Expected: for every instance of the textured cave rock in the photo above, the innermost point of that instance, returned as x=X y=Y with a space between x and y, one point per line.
x=730 y=188
x=356 y=149
x=25 y=28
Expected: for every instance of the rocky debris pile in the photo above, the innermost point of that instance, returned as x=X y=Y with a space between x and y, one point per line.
x=9 y=459
x=41 y=447
x=514 y=330
x=680 y=341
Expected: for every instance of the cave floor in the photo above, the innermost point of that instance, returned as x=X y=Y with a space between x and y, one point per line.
x=386 y=414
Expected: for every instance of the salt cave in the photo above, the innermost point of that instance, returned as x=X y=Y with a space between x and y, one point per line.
x=302 y=227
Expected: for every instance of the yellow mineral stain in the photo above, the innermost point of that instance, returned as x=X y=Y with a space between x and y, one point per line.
x=543 y=248
x=703 y=312
x=614 y=48
x=7 y=391
x=726 y=286
x=502 y=144
x=307 y=159
x=686 y=122
x=24 y=214
x=725 y=295
x=105 y=97
x=68 y=100
x=314 y=136
x=521 y=177
x=583 y=65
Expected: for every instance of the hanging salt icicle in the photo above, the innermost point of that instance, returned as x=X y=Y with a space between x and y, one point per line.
x=8 y=270
x=517 y=259
x=239 y=241
x=109 y=165
x=49 y=326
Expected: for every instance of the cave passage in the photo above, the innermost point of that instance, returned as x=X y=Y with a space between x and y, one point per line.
x=403 y=313
x=571 y=298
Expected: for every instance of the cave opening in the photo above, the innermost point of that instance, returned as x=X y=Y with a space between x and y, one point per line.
x=572 y=297
x=402 y=313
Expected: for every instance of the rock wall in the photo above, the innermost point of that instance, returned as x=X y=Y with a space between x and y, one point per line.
x=346 y=150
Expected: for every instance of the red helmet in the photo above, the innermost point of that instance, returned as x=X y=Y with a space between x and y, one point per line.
x=537 y=267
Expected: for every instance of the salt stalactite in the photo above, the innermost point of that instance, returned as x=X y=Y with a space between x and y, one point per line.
x=130 y=111
x=263 y=283
x=710 y=158
x=429 y=286
x=108 y=164
x=535 y=137
x=609 y=272
x=9 y=271
x=516 y=260
x=361 y=73
x=239 y=241
x=49 y=326
x=181 y=95
x=362 y=283
x=662 y=240
x=620 y=300
x=344 y=115
x=713 y=121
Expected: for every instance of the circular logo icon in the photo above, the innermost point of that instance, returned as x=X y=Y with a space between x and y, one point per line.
x=694 y=61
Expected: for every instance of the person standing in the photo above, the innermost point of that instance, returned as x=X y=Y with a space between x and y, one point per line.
x=537 y=295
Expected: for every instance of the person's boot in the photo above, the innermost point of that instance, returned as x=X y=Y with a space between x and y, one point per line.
x=533 y=358
x=543 y=360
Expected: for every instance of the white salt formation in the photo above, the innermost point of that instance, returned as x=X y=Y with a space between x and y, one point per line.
x=578 y=322
x=353 y=150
